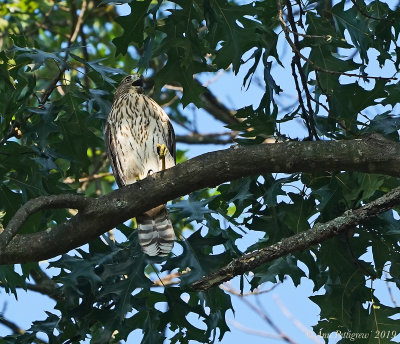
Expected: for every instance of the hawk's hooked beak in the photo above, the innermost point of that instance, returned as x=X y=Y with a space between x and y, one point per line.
x=138 y=82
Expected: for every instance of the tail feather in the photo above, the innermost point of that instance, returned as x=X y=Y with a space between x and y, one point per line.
x=156 y=234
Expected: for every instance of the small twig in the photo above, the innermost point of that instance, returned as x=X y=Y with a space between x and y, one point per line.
x=171 y=279
x=173 y=88
x=41 y=289
x=310 y=113
x=300 y=99
x=327 y=37
x=182 y=124
x=255 y=292
x=52 y=86
x=90 y=178
x=391 y=292
x=215 y=78
x=84 y=47
x=14 y=327
x=216 y=139
x=218 y=110
x=248 y=330
x=72 y=39
x=265 y=317
x=170 y=102
x=294 y=320
x=79 y=22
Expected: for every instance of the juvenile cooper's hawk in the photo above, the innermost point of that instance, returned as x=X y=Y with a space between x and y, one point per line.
x=140 y=140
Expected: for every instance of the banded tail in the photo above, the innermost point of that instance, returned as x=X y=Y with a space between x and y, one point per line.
x=156 y=234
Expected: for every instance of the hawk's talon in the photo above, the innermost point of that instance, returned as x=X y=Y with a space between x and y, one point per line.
x=162 y=151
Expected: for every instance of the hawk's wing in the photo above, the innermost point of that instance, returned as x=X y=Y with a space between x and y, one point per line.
x=167 y=128
x=170 y=139
x=112 y=155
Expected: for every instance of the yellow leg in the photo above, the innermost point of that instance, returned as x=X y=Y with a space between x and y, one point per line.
x=162 y=151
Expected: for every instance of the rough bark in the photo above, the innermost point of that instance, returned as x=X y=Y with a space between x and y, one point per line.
x=319 y=233
x=372 y=154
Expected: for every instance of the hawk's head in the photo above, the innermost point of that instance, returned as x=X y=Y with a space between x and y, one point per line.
x=130 y=84
x=135 y=80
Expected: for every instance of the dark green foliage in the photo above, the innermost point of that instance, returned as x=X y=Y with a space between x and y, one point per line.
x=51 y=142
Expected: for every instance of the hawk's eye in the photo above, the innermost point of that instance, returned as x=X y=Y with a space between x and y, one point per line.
x=138 y=82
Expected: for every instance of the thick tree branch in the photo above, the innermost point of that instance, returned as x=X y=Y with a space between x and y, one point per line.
x=319 y=233
x=372 y=154
x=33 y=206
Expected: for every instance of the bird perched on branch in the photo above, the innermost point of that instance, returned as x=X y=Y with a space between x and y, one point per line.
x=140 y=140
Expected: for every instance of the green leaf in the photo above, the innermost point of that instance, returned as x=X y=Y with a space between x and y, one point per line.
x=356 y=25
x=11 y=280
x=278 y=269
x=393 y=97
x=196 y=256
x=38 y=57
x=133 y=25
x=47 y=326
x=351 y=99
x=229 y=25
x=100 y=69
x=219 y=303
x=191 y=209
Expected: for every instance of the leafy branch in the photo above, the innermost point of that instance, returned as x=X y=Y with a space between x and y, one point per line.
x=31 y=207
x=295 y=49
x=373 y=154
x=319 y=233
x=74 y=35
x=16 y=329
x=307 y=114
x=262 y=314
x=14 y=130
